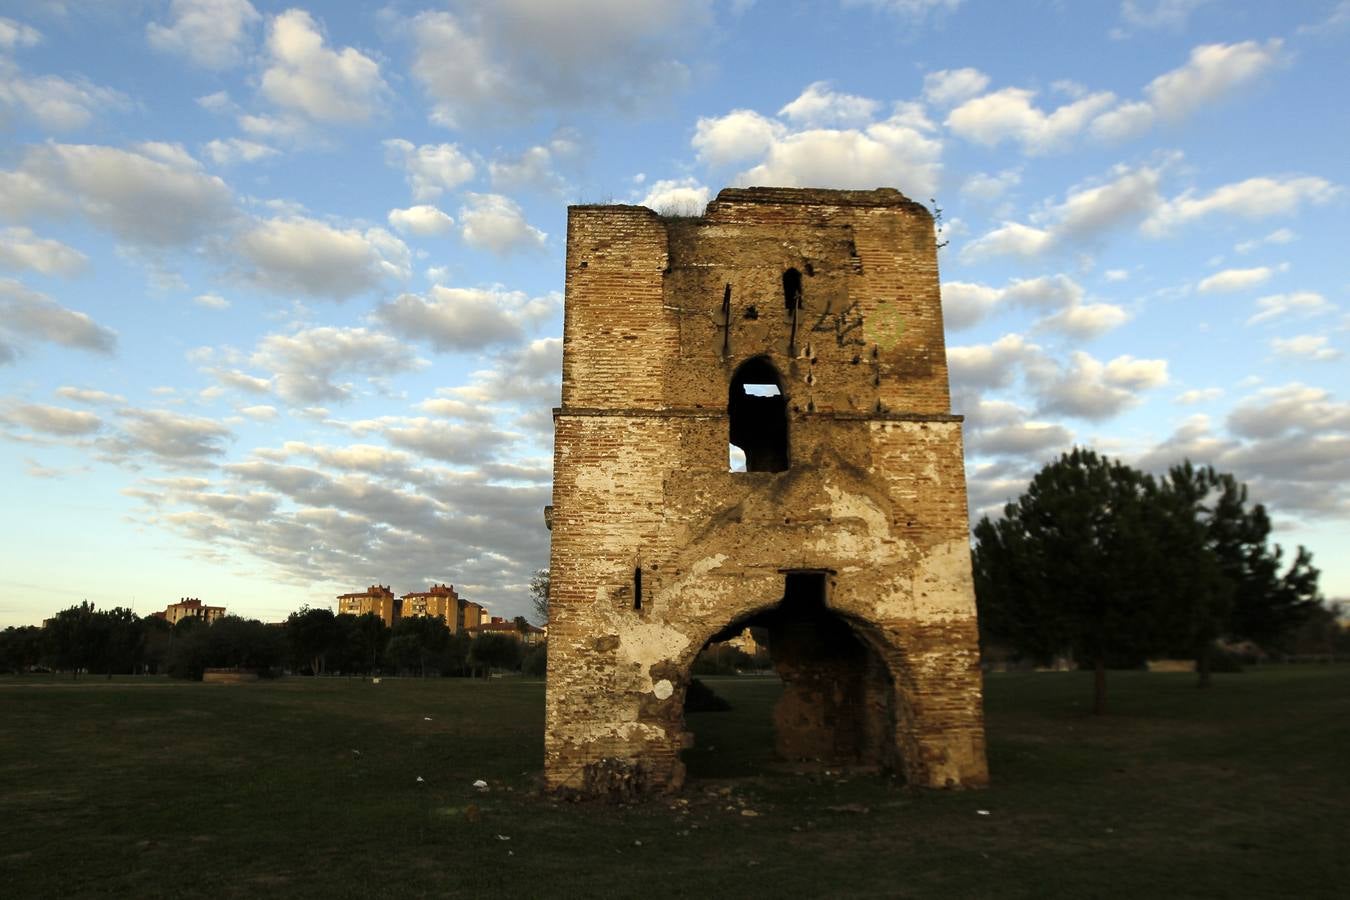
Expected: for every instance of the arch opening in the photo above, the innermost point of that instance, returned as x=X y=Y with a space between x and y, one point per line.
x=831 y=706
x=757 y=410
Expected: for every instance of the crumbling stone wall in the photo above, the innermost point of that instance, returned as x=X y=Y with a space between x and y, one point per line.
x=658 y=547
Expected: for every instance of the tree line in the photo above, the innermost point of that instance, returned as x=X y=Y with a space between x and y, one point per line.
x=89 y=641
x=1111 y=566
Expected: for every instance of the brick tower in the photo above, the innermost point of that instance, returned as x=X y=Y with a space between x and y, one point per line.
x=800 y=331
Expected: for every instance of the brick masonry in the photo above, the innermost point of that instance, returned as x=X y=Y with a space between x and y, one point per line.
x=880 y=657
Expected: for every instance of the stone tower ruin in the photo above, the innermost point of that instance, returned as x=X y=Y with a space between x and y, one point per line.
x=803 y=327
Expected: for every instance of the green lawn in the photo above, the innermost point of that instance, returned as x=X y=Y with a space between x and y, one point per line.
x=150 y=788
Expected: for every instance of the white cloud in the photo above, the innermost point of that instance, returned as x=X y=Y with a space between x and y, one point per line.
x=1213 y=71
x=818 y=106
x=1254 y=198
x=304 y=366
x=1198 y=395
x=87 y=395
x=21 y=249
x=882 y=155
x=421 y=220
x=913 y=10
x=510 y=59
x=739 y=135
x=1278 y=236
x=1313 y=347
x=949 y=87
x=1301 y=304
x=52 y=419
x=1009 y=239
x=259 y=413
x=497 y=223
x=431 y=168
x=53 y=102
x=211 y=301
x=1293 y=407
x=232 y=151
x=16 y=34
x=1234 y=280
x=304 y=255
x=987 y=187
x=172 y=437
x=532 y=169
x=1086 y=321
x=1169 y=14
x=1009 y=114
x=965 y=304
x=209 y=33
x=1125 y=121
x=684 y=196
x=25 y=313
x=310 y=79
x=1089 y=389
x=155 y=195
x=990 y=365
x=466 y=318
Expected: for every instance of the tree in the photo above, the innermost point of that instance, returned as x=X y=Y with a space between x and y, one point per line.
x=1105 y=561
x=20 y=648
x=312 y=635
x=418 y=642
x=1072 y=565
x=539 y=586
x=495 y=651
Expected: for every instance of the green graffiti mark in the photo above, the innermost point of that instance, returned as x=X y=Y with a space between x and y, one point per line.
x=889 y=326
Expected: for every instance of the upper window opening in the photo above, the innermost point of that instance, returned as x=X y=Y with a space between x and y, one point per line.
x=792 y=290
x=757 y=409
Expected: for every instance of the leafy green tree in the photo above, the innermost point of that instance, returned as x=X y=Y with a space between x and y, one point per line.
x=72 y=638
x=20 y=648
x=312 y=635
x=493 y=650
x=539 y=586
x=1073 y=564
x=422 y=640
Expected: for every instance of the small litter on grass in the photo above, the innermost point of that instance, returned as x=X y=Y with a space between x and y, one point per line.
x=637 y=843
x=356 y=752
x=749 y=813
x=421 y=780
x=481 y=785
x=503 y=837
x=426 y=718
x=374 y=681
x=981 y=812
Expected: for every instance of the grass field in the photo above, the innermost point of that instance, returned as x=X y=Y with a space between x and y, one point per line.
x=150 y=788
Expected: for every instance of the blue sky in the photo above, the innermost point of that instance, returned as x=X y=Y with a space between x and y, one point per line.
x=280 y=286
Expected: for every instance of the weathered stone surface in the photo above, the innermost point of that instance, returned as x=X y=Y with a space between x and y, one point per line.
x=657 y=547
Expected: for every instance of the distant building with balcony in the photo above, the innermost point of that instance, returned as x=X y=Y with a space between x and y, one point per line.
x=191 y=608
x=439 y=602
x=378 y=599
x=523 y=632
x=473 y=615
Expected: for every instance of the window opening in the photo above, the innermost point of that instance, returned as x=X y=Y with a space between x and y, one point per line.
x=637 y=587
x=792 y=299
x=757 y=409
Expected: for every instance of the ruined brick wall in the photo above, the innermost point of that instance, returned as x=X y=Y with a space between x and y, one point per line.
x=657 y=547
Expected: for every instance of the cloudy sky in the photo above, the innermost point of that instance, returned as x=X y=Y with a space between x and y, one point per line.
x=280 y=286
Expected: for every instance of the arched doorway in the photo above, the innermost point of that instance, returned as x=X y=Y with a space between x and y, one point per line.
x=827 y=703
